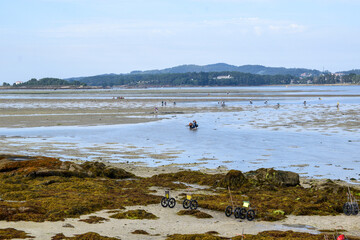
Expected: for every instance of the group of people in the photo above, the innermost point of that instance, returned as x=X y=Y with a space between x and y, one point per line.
x=193 y=125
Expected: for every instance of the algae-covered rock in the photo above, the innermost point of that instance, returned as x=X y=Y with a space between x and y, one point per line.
x=134 y=214
x=233 y=179
x=193 y=237
x=10 y=233
x=97 y=169
x=269 y=176
x=45 y=167
x=85 y=236
x=195 y=213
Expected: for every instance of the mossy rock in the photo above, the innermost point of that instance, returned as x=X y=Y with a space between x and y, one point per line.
x=94 y=219
x=85 y=236
x=10 y=233
x=134 y=214
x=282 y=235
x=141 y=232
x=234 y=179
x=195 y=213
x=194 y=237
x=45 y=167
x=269 y=176
x=97 y=169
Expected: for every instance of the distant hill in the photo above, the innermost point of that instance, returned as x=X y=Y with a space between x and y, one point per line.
x=223 y=67
x=355 y=71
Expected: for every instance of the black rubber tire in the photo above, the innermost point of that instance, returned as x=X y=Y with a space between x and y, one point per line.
x=186 y=203
x=242 y=212
x=228 y=211
x=172 y=202
x=164 y=202
x=347 y=208
x=237 y=212
x=250 y=215
x=355 y=208
x=193 y=204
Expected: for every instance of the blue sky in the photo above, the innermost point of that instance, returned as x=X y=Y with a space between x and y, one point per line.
x=70 y=38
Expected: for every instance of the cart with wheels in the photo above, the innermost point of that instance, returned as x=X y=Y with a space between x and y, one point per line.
x=245 y=211
x=351 y=206
x=230 y=209
x=189 y=202
x=240 y=212
x=168 y=201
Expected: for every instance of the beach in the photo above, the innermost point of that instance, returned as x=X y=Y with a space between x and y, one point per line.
x=142 y=135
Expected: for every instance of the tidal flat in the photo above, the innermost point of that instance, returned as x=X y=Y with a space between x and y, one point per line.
x=147 y=138
x=316 y=139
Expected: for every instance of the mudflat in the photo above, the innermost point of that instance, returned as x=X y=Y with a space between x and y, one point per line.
x=29 y=109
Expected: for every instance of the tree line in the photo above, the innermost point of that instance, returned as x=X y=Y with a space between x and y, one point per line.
x=45 y=82
x=191 y=79
x=187 y=79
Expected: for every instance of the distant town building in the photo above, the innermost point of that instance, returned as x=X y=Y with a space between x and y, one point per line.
x=305 y=75
x=18 y=82
x=224 y=77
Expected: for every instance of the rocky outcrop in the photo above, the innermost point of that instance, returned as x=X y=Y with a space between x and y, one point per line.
x=234 y=179
x=44 y=167
x=269 y=176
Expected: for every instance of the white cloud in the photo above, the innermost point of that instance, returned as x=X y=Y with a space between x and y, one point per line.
x=254 y=25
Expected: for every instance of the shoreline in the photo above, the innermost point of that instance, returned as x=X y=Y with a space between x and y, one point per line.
x=164 y=86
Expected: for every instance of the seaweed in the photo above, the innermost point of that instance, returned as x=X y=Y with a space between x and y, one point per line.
x=142 y=232
x=195 y=213
x=94 y=219
x=204 y=236
x=30 y=196
x=134 y=215
x=10 y=233
x=85 y=236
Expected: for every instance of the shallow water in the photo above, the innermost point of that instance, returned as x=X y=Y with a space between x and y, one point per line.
x=313 y=140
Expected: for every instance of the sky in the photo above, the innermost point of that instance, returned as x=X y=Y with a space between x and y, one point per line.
x=73 y=38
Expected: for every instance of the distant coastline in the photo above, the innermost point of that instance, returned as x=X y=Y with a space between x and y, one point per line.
x=163 y=86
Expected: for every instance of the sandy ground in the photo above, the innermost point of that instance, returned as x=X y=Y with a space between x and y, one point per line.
x=169 y=222
x=19 y=113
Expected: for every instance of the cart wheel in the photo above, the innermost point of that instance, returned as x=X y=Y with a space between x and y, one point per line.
x=242 y=213
x=355 y=208
x=237 y=212
x=228 y=211
x=193 y=204
x=347 y=208
x=164 y=202
x=250 y=215
x=186 y=203
x=172 y=202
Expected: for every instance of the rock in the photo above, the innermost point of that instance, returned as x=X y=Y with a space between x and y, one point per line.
x=68 y=225
x=269 y=176
x=44 y=167
x=233 y=179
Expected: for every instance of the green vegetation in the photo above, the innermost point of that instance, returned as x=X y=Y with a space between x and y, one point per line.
x=190 y=79
x=47 y=82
